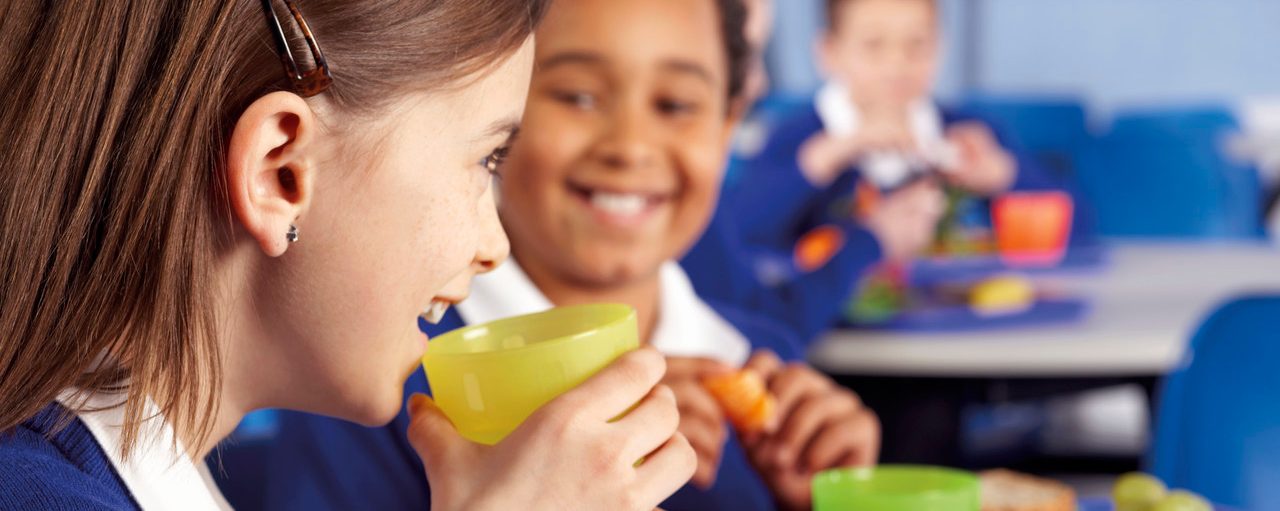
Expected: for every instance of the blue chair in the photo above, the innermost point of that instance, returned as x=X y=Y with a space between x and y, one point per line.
x=1182 y=122
x=1165 y=174
x=1049 y=128
x=1218 y=425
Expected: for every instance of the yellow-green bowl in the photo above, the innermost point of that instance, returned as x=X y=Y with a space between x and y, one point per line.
x=489 y=378
x=896 y=488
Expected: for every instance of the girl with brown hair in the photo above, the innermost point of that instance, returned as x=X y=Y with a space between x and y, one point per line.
x=190 y=230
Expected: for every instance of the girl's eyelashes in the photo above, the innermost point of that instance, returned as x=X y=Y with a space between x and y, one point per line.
x=493 y=162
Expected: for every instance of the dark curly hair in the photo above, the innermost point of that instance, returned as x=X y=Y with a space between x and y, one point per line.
x=733 y=21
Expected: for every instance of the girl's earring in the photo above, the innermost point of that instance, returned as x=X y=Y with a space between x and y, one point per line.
x=292 y=235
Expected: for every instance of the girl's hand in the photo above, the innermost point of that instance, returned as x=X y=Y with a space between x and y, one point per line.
x=702 y=420
x=822 y=426
x=568 y=454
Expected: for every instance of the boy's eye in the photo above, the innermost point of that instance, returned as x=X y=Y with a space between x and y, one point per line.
x=493 y=162
x=580 y=100
x=676 y=107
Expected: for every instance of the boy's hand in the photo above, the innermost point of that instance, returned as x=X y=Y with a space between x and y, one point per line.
x=984 y=167
x=904 y=221
x=701 y=419
x=822 y=426
x=825 y=156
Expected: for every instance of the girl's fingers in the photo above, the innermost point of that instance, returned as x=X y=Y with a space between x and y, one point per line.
x=432 y=435
x=664 y=471
x=647 y=427
x=613 y=390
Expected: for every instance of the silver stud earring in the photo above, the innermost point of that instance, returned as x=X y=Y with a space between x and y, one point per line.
x=292 y=235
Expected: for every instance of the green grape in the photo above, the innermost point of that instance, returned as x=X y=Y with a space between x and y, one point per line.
x=1182 y=500
x=1137 y=492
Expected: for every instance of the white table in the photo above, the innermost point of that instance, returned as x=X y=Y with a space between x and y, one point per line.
x=1146 y=304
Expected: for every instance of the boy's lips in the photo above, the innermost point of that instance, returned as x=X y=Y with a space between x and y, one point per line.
x=620 y=208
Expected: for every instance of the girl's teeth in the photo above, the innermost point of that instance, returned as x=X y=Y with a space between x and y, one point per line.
x=435 y=313
x=618 y=203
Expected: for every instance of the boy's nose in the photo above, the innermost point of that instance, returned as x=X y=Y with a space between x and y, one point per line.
x=628 y=144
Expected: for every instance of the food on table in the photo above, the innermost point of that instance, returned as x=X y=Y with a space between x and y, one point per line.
x=1182 y=500
x=1141 y=492
x=746 y=402
x=1137 y=492
x=881 y=295
x=1005 y=490
x=998 y=296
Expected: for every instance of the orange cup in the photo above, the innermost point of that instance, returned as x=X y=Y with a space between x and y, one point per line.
x=1032 y=228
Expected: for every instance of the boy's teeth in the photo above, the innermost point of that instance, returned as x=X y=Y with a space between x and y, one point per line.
x=619 y=203
x=435 y=313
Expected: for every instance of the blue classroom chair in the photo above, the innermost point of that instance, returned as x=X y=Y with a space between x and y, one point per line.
x=1165 y=174
x=1049 y=128
x=1218 y=425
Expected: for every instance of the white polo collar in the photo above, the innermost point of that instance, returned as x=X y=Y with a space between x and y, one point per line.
x=687 y=326
x=159 y=473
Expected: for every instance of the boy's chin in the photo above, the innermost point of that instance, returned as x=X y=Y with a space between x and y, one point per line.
x=616 y=270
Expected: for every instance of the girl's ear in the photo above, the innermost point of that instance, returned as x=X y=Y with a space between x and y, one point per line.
x=271 y=168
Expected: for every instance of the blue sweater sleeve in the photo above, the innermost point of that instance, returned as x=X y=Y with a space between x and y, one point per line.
x=724 y=267
x=745 y=257
x=772 y=197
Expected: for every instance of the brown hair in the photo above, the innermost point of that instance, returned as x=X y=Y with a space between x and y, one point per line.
x=111 y=195
x=834 y=9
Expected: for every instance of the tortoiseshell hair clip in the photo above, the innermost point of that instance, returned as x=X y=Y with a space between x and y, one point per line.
x=305 y=83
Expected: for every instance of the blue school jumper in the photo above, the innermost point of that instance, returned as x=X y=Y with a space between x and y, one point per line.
x=321 y=463
x=43 y=468
x=727 y=267
x=745 y=257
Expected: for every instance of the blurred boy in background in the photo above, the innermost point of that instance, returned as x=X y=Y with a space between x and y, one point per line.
x=864 y=167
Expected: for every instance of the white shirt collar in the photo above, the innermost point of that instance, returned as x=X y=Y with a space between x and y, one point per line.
x=841 y=118
x=687 y=326
x=158 y=474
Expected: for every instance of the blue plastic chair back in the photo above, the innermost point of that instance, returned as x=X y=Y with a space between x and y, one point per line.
x=1218 y=426
x=1034 y=122
x=1048 y=128
x=1189 y=122
x=1167 y=175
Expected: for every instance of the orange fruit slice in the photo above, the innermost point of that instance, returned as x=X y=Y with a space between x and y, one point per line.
x=744 y=399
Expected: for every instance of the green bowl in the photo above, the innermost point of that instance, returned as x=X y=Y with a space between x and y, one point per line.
x=896 y=488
